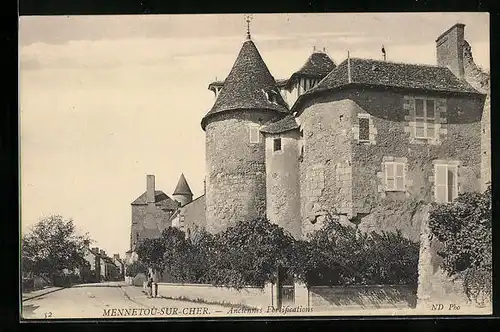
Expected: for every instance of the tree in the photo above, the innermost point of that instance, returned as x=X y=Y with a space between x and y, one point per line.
x=52 y=246
x=135 y=268
x=150 y=252
x=249 y=254
x=463 y=227
x=338 y=254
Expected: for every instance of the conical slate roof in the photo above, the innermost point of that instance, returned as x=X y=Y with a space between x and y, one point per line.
x=248 y=86
x=318 y=66
x=182 y=187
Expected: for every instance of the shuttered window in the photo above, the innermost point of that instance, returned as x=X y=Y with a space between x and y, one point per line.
x=445 y=183
x=254 y=133
x=394 y=176
x=425 y=110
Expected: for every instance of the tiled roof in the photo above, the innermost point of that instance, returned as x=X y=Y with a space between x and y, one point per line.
x=248 y=85
x=280 y=126
x=318 y=65
x=368 y=72
x=182 y=187
x=160 y=198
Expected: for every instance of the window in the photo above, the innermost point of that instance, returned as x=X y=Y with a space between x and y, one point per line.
x=445 y=183
x=425 y=110
x=394 y=176
x=254 y=133
x=277 y=144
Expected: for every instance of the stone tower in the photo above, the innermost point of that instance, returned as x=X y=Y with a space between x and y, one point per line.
x=182 y=192
x=283 y=153
x=235 y=148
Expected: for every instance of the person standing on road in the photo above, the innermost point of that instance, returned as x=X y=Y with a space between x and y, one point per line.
x=150 y=287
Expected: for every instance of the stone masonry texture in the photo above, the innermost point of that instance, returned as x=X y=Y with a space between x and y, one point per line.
x=283 y=191
x=325 y=170
x=235 y=169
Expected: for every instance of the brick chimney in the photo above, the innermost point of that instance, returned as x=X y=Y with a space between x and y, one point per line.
x=449 y=49
x=102 y=252
x=150 y=192
x=116 y=256
x=95 y=250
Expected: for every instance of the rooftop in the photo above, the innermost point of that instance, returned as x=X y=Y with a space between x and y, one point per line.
x=318 y=65
x=182 y=187
x=286 y=124
x=161 y=199
x=248 y=86
x=370 y=72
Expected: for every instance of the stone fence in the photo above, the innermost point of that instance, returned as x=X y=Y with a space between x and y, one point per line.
x=331 y=298
x=253 y=297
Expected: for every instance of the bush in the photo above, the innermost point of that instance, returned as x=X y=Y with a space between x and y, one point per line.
x=135 y=268
x=464 y=229
x=251 y=253
x=342 y=255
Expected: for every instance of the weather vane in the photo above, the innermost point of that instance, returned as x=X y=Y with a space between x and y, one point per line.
x=248 y=18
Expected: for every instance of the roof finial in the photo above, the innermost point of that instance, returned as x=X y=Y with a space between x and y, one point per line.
x=248 y=18
x=383 y=52
x=314 y=48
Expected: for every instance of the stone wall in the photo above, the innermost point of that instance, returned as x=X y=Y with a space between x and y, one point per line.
x=147 y=216
x=326 y=298
x=459 y=140
x=325 y=179
x=193 y=216
x=249 y=296
x=282 y=184
x=235 y=169
x=480 y=80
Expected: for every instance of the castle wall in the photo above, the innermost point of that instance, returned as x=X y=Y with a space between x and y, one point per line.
x=235 y=169
x=458 y=140
x=193 y=215
x=326 y=167
x=341 y=174
x=282 y=184
x=147 y=216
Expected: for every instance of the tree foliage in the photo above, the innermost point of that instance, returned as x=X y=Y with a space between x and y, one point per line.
x=51 y=246
x=464 y=228
x=251 y=252
x=342 y=255
x=135 y=268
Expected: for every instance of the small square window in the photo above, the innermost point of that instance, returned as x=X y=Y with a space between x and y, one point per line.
x=277 y=144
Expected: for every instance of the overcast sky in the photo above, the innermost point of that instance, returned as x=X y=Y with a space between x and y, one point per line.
x=106 y=100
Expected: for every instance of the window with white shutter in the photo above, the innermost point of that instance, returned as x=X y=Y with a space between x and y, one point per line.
x=254 y=133
x=394 y=176
x=445 y=183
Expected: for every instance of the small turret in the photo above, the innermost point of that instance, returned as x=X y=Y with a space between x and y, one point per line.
x=182 y=192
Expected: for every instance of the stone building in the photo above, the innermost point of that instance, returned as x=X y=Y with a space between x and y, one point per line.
x=365 y=140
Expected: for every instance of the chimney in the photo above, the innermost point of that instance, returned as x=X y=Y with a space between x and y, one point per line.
x=449 y=49
x=86 y=243
x=116 y=256
x=102 y=252
x=95 y=250
x=150 y=193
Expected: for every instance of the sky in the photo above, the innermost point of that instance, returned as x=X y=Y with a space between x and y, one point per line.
x=106 y=100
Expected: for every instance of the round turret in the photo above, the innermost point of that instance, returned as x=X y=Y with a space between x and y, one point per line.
x=235 y=148
x=182 y=192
